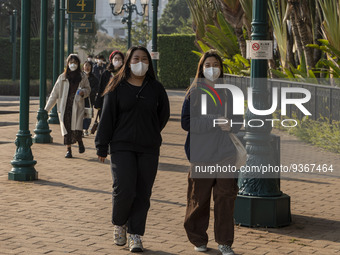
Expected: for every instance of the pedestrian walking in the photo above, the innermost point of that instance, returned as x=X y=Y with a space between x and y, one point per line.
x=199 y=191
x=135 y=110
x=89 y=102
x=99 y=67
x=69 y=92
x=116 y=62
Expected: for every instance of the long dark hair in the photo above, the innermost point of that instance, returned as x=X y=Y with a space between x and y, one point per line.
x=74 y=76
x=125 y=72
x=91 y=64
x=199 y=72
x=111 y=67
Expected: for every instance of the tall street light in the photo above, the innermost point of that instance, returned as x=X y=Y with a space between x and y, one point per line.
x=129 y=7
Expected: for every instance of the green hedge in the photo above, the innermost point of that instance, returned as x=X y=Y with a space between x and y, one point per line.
x=6 y=58
x=177 y=62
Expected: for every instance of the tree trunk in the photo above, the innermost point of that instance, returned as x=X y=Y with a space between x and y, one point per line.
x=296 y=36
x=303 y=23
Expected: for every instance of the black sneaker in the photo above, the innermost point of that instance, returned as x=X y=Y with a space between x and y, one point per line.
x=68 y=154
x=81 y=148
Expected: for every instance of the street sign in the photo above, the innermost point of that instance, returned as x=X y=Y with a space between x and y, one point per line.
x=85 y=31
x=155 y=55
x=260 y=49
x=83 y=25
x=81 y=6
x=82 y=17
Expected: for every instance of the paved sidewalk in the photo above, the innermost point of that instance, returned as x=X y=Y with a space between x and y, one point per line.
x=68 y=210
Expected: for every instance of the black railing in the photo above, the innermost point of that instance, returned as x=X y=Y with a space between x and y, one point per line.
x=324 y=103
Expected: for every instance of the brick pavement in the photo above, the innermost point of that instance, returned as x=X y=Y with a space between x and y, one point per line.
x=68 y=209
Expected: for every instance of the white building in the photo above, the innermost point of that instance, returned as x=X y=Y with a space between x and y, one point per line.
x=112 y=24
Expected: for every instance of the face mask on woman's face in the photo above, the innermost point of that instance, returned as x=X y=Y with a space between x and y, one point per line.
x=212 y=73
x=139 y=69
x=87 y=72
x=73 y=67
x=117 y=63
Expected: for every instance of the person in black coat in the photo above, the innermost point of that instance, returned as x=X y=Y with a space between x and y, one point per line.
x=116 y=62
x=94 y=84
x=135 y=111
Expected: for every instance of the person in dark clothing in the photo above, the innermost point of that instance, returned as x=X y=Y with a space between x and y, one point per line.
x=116 y=62
x=209 y=145
x=99 y=67
x=135 y=110
x=89 y=102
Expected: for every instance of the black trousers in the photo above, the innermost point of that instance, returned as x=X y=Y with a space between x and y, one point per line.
x=133 y=176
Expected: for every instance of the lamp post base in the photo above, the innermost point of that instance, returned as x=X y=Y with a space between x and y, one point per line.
x=53 y=119
x=42 y=131
x=252 y=211
x=23 y=171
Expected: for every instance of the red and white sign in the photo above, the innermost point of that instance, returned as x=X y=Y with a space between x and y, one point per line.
x=260 y=49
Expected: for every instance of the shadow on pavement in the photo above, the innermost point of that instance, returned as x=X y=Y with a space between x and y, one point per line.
x=311 y=228
x=63 y=185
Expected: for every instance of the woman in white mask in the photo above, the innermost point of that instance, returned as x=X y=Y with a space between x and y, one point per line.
x=89 y=102
x=209 y=145
x=68 y=93
x=135 y=110
x=116 y=62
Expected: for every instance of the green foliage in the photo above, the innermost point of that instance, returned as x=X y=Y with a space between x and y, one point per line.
x=6 y=58
x=118 y=44
x=140 y=33
x=177 y=63
x=171 y=17
x=88 y=41
x=317 y=132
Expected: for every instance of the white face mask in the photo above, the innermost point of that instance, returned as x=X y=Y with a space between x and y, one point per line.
x=87 y=72
x=117 y=63
x=73 y=67
x=139 y=69
x=212 y=73
x=89 y=59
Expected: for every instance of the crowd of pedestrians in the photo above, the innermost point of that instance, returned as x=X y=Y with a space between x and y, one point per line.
x=133 y=109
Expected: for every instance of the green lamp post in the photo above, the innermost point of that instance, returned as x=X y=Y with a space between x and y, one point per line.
x=260 y=201
x=54 y=119
x=23 y=163
x=62 y=37
x=14 y=43
x=154 y=32
x=129 y=7
x=42 y=130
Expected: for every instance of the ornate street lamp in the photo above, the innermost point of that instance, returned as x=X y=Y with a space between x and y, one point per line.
x=129 y=7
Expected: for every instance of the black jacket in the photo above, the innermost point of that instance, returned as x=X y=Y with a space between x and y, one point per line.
x=210 y=144
x=104 y=80
x=132 y=118
x=94 y=90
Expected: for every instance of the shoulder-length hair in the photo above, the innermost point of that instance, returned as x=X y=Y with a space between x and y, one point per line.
x=69 y=58
x=110 y=67
x=91 y=64
x=125 y=72
x=199 y=72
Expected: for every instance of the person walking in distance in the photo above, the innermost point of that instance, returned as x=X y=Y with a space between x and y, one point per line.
x=135 y=110
x=69 y=92
x=116 y=62
x=89 y=102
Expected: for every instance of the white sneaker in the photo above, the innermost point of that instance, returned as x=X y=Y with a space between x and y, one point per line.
x=119 y=235
x=135 y=243
x=225 y=249
x=201 y=248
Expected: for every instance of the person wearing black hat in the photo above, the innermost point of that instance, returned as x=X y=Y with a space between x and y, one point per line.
x=116 y=62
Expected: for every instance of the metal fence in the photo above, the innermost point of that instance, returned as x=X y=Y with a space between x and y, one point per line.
x=324 y=103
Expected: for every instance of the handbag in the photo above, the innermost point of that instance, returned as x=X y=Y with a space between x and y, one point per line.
x=88 y=111
x=241 y=152
x=95 y=124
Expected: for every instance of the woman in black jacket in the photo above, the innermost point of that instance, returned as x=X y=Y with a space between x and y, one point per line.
x=135 y=110
x=94 y=90
x=116 y=62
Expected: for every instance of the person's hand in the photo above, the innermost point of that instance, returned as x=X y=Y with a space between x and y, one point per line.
x=81 y=93
x=101 y=159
